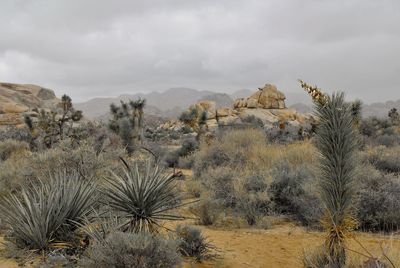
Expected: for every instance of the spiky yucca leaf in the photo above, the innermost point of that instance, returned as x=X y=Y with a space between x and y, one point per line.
x=45 y=212
x=143 y=198
x=336 y=142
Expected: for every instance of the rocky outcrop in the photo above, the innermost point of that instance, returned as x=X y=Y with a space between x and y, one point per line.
x=17 y=100
x=266 y=105
x=267 y=97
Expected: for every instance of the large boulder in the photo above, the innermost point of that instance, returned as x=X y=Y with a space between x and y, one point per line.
x=267 y=97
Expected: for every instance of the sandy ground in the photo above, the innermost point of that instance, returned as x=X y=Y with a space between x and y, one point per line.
x=281 y=246
x=6 y=263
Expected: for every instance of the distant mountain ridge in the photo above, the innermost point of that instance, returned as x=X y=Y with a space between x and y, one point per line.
x=380 y=109
x=169 y=103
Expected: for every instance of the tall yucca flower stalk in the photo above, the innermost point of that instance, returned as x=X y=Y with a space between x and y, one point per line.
x=316 y=94
x=336 y=142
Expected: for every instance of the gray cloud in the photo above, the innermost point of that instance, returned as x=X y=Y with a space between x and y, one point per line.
x=104 y=48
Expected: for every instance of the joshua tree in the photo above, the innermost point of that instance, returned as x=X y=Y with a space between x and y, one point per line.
x=54 y=125
x=127 y=122
x=394 y=115
x=336 y=142
x=356 y=108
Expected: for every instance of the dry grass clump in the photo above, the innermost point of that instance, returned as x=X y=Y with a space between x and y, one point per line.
x=192 y=243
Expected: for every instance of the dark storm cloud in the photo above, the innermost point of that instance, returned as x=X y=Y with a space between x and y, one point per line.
x=97 y=48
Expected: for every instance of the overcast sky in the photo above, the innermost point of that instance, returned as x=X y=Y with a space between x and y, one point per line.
x=89 y=48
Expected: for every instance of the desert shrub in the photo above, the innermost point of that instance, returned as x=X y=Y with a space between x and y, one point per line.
x=140 y=250
x=383 y=158
x=206 y=211
x=192 y=243
x=388 y=140
x=290 y=194
x=194 y=188
x=9 y=147
x=13 y=173
x=209 y=157
x=252 y=206
x=186 y=162
x=378 y=201
x=15 y=133
x=171 y=159
x=48 y=211
x=142 y=196
x=252 y=121
x=255 y=183
x=188 y=147
x=182 y=157
x=220 y=181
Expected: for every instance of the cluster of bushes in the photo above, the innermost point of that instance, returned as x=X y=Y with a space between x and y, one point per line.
x=240 y=173
x=243 y=173
x=378 y=131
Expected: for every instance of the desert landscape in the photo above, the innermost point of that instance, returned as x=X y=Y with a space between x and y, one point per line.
x=200 y=134
x=237 y=186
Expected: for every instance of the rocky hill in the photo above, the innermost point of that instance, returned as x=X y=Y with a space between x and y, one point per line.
x=17 y=99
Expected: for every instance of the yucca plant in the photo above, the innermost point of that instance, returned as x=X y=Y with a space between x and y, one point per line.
x=336 y=142
x=45 y=212
x=142 y=198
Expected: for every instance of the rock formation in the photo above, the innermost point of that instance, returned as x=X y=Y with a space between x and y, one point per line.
x=267 y=105
x=17 y=100
x=267 y=97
